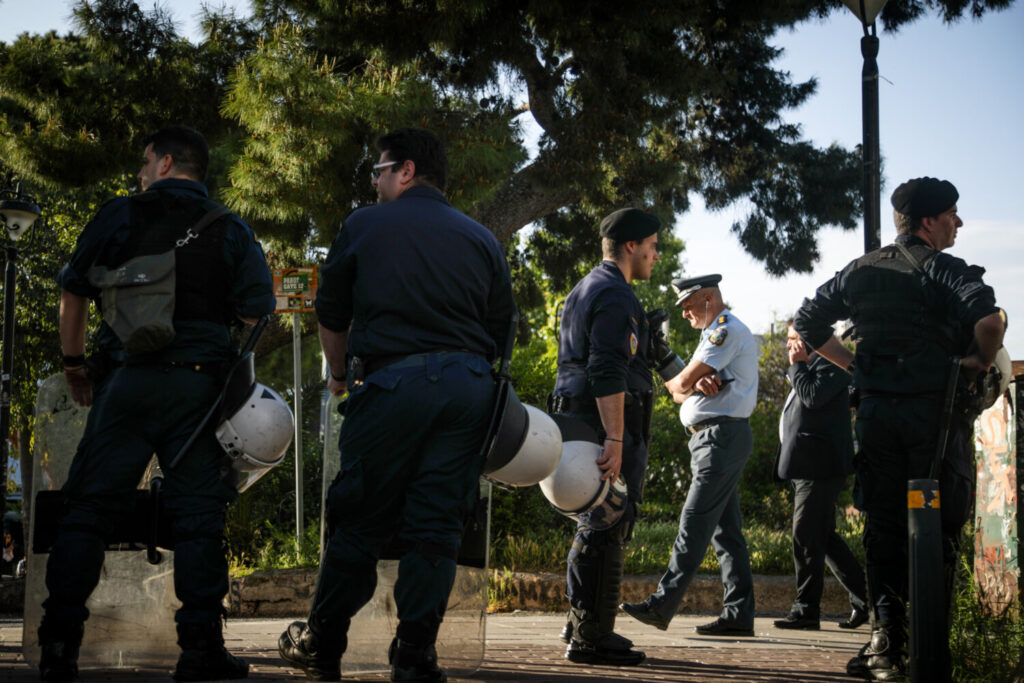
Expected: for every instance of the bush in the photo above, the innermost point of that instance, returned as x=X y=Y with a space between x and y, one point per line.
x=984 y=646
x=771 y=550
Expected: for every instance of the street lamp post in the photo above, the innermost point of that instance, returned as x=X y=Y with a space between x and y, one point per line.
x=18 y=212
x=866 y=11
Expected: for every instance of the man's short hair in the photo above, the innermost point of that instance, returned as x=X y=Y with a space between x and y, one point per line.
x=187 y=148
x=611 y=249
x=905 y=225
x=421 y=147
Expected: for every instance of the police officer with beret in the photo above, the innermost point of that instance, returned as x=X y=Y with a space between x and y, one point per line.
x=718 y=390
x=604 y=379
x=153 y=402
x=415 y=302
x=914 y=311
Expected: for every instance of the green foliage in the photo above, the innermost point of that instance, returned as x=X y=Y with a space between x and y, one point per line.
x=74 y=108
x=544 y=549
x=985 y=646
x=310 y=128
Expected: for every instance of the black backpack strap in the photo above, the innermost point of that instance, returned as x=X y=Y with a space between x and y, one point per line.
x=207 y=219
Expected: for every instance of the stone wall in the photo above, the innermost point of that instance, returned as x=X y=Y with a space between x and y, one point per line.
x=287 y=592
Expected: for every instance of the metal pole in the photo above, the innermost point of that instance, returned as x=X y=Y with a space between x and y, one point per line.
x=6 y=370
x=872 y=182
x=297 y=369
x=928 y=615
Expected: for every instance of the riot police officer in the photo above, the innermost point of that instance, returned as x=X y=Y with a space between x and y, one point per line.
x=154 y=402
x=415 y=301
x=604 y=379
x=913 y=309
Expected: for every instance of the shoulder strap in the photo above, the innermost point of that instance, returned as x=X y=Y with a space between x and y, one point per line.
x=204 y=222
x=913 y=261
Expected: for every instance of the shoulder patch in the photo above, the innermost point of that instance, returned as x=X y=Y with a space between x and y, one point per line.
x=722 y=319
x=633 y=343
x=718 y=335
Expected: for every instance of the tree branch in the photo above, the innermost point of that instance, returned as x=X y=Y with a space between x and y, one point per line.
x=525 y=197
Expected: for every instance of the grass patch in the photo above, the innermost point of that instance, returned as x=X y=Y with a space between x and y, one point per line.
x=771 y=550
x=985 y=646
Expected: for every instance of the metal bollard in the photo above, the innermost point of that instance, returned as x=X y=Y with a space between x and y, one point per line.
x=926 y=582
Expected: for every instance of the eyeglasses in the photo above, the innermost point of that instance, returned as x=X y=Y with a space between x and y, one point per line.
x=379 y=168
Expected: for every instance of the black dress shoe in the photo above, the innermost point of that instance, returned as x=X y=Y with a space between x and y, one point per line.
x=857 y=618
x=721 y=627
x=800 y=622
x=645 y=614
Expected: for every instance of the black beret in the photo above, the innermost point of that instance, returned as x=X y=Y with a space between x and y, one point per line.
x=684 y=287
x=629 y=225
x=923 y=197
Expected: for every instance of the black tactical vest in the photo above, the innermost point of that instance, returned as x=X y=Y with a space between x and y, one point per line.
x=904 y=332
x=158 y=221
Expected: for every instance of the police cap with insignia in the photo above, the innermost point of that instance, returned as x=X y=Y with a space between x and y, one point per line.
x=629 y=225
x=684 y=287
x=924 y=197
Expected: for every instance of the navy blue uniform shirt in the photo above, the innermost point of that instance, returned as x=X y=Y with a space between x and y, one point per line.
x=603 y=345
x=390 y=275
x=251 y=296
x=960 y=287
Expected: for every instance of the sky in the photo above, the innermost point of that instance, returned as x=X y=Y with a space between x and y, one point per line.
x=951 y=105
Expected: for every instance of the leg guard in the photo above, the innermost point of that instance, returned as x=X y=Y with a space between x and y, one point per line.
x=59 y=644
x=594 y=640
x=203 y=657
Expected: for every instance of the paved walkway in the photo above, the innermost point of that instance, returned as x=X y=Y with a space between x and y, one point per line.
x=525 y=647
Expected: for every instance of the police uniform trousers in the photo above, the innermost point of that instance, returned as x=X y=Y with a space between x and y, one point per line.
x=139 y=411
x=410 y=467
x=816 y=542
x=898 y=437
x=587 y=554
x=711 y=514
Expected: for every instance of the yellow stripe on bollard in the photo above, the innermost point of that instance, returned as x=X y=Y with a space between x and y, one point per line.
x=916 y=500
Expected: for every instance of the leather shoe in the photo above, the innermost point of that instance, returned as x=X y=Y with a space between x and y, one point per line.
x=645 y=614
x=721 y=627
x=610 y=650
x=800 y=622
x=857 y=618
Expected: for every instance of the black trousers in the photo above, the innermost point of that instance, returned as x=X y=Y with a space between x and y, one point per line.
x=816 y=543
x=898 y=437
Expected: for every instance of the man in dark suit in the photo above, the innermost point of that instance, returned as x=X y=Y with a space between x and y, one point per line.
x=817 y=456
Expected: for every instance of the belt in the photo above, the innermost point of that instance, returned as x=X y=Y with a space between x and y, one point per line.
x=711 y=422
x=375 y=363
x=214 y=368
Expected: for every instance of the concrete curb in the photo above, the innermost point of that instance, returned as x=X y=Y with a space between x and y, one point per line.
x=287 y=593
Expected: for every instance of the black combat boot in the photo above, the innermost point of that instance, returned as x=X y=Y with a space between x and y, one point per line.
x=411 y=662
x=303 y=649
x=882 y=658
x=59 y=644
x=203 y=657
x=593 y=637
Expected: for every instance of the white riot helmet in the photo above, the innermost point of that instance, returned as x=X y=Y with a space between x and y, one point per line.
x=523 y=443
x=575 y=488
x=256 y=427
